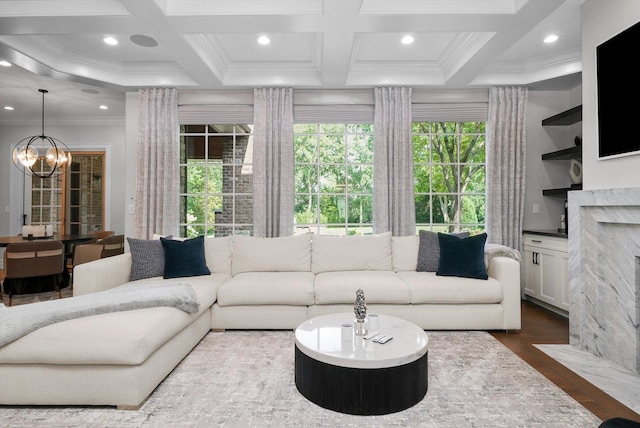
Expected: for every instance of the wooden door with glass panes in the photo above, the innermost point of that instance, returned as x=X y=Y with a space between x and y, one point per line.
x=85 y=199
x=47 y=200
x=74 y=201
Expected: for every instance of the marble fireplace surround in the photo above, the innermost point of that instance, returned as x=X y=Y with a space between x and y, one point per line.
x=604 y=274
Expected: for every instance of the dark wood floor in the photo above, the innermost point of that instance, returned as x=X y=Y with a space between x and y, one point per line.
x=541 y=326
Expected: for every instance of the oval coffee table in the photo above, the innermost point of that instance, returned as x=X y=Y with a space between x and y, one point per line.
x=359 y=376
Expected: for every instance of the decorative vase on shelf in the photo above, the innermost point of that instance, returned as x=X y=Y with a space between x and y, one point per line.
x=360 y=309
x=575 y=171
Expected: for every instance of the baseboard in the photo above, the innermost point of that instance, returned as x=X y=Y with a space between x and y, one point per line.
x=547 y=306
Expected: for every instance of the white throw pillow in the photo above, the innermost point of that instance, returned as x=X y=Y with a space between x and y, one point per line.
x=284 y=254
x=405 y=252
x=217 y=252
x=344 y=253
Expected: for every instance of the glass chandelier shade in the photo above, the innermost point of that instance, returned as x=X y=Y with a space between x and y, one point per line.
x=41 y=156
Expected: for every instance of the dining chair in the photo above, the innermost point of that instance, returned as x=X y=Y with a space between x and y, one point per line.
x=32 y=260
x=99 y=249
x=111 y=246
x=84 y=253
x=99 y=234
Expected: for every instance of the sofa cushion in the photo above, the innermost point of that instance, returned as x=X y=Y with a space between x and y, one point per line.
x=147 y=258
x=404 y=252
x=184 y=258
x=462 y=256
x=267 y=288
x=378 y=287
x=217 y=252
x=127 y=337
x=205 y=283
x=427 y=287
x=283 y=254
x=351 y=253
x=429 y=250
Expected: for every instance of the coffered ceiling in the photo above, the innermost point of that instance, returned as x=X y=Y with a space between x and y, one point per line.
x=212 y=44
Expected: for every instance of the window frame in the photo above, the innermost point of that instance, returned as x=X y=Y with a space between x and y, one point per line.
x=350 y=133
x=458 y=193
x=208 y=226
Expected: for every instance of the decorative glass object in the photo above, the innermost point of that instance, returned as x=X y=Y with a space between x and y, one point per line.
x=360 y=309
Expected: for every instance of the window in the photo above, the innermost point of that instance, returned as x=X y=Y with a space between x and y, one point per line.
x=216 y=180
x=333 y=178
x=47 y=200
x=449 y=173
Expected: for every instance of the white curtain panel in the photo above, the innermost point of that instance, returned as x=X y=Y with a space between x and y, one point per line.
x=157 y=165
x=506 y=161
x=273 y=162
x=393 y=191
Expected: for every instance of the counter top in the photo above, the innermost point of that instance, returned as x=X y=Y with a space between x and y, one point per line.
x=549 y=232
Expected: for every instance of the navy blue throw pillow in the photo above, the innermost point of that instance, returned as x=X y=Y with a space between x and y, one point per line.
x=184 y=258
x=462 y=257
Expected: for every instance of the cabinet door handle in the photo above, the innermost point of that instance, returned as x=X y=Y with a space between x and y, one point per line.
x=537 y=241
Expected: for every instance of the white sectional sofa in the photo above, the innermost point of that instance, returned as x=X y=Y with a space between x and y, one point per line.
x=255 y=283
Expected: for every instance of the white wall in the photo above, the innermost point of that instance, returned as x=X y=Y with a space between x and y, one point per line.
x=129 y=188
x=109 y=137
x=602 y=20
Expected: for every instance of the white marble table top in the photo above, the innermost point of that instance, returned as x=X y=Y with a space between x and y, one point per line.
x=321 y=339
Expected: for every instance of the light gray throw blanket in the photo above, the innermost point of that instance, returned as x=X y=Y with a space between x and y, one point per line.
x=497 y=250
x=18 y=321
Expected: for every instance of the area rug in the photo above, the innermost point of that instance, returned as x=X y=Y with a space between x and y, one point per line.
x=246 y=379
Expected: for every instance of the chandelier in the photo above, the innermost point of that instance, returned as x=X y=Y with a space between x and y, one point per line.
x=41 y=156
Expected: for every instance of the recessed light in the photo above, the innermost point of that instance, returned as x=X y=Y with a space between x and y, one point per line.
x=104 y=107
x=5 y=63
x=550 y=38
x=8 y=108
x=264 y=40
x=110 y=41
x=407 y=40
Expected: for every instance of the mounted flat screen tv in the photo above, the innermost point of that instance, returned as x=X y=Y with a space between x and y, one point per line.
x=617 y=88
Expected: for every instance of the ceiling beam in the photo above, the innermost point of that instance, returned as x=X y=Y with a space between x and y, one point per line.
x=156 y=24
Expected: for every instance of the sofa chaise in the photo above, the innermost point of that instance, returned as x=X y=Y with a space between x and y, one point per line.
x=119 y=358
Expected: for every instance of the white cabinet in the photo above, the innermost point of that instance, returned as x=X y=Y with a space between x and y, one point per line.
x=546 y=270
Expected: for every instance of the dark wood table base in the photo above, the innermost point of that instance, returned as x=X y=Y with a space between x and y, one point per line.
x=361 y=391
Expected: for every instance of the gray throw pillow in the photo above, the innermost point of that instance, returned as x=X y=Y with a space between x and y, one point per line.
x=147 y=258
x=429 y=250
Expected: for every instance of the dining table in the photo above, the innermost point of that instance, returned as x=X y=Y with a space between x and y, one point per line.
x=66 y=239
x=47 y=283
